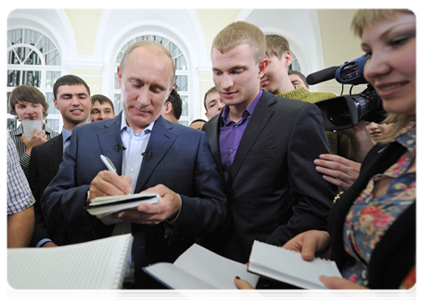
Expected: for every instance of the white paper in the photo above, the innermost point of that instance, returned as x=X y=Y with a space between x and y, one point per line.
x=199 y=268
x=30 y=125
x=99 y=264
x=288 y=266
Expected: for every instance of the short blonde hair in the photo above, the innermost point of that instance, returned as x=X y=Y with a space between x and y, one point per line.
x=151 y=45
x=364 y=17
x=238 y=33
x=361 y=19
x=276 y=45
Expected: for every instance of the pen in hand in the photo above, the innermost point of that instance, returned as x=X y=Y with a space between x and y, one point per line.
x=109 y=165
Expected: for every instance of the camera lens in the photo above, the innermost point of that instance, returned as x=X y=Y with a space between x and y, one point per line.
x=338 y=114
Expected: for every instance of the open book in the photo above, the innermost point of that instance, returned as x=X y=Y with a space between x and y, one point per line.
x=199 y=268
x=288 y=266
x=103 y=207
x=99 y=264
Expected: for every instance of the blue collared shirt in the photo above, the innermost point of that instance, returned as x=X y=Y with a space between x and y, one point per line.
x=135 y=144
x=231 y=134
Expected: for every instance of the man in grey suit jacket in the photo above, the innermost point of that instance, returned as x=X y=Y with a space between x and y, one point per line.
x=152 y=155
x=264 y=147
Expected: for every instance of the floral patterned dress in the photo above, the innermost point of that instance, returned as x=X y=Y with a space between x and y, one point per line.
x=370 y=217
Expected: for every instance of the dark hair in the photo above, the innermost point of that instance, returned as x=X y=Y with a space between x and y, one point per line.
x=27 y=93
x=301 y=75
x=69 y=80
x=197 y=120
x=211 y=90
x=101 y=99
x=176 y=101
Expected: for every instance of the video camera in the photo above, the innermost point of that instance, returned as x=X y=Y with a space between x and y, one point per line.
x=346 y=111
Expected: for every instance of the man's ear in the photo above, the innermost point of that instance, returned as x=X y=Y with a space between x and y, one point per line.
x=168 y=107
x=288 y=59
x=263 y=66
x=55 y=103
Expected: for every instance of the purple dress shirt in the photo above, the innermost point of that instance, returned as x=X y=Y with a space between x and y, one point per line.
x=231 y=134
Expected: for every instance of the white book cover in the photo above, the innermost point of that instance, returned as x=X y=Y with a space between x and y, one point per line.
x=99 y=264
x=288 y=266
x=200 y=268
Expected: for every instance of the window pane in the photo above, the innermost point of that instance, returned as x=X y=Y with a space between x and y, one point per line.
x=14 y=37
x=116 y=81
x=173 y=49
x=13 y=78
x=160 y=40
x=51 y=78
x=31 y=78
x=32 y=58
x=52 y=58
x=11 y=124
x=12 y=58
x=184 y=106
x=31 y=37
x=181 y=63
x=185 y=123
x=6 y=102
x=117 y=104
x=181 y=83
x=51 y=109
x=53 y=124
x=45 y=45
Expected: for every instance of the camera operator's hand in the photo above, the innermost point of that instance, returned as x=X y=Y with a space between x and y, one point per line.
x=338 y=170
x=360 y=139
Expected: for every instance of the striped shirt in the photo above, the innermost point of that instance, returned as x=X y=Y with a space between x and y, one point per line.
x=19 y=196
x=16 y=135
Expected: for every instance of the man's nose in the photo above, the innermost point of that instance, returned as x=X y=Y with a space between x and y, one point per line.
x=227 y=81
x=144 y=96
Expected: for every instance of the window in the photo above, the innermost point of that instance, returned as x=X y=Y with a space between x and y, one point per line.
x=33 y=59
x=295 y=65
x=182 y=74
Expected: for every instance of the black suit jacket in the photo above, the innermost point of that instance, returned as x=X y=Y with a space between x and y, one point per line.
x=273 y=190
x=43 y=166
x=395 y=254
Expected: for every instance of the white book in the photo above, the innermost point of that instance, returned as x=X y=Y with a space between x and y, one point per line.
x=288 y=266
x=103 y=207
x=99 y=264
x=199 y=268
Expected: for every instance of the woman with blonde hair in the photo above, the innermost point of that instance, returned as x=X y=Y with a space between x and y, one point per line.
x=371 y=231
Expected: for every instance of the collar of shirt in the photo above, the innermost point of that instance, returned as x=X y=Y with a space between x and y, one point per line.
x=407 y=137
x=135 y=145
x=65 y=134
x=225 y=120
x=124 y=126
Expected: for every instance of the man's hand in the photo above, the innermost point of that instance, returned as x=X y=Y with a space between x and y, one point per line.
x=338 y=170
x=310 y=244
x=153 y=213
x=36 y=139
x=345 y=288
x=108 y=183
x=248 y=291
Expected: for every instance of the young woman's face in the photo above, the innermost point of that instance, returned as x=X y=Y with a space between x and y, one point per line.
x=391 y=66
